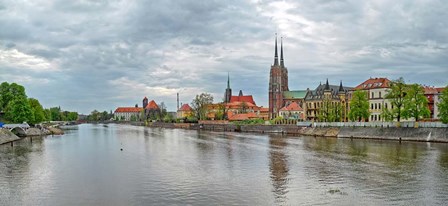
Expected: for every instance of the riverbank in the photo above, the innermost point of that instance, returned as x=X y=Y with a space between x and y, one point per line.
x=7 y=136
x=400 y=134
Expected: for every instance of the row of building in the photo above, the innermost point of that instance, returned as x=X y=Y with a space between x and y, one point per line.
x=303 y=105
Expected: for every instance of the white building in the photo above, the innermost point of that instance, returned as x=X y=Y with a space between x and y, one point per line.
x=377 y=89
x=126 y=113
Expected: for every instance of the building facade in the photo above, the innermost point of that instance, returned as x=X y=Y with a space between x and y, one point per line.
x=326 y=97
x=127 y=113
x=377 y=89
x=278 y=83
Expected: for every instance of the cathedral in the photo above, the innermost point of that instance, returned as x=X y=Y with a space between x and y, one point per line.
x=279 y=93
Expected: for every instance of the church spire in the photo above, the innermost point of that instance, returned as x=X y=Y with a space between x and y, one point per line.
x=341 y=89
x=228 y=80
x=281 y=53
x=327 y=86
x=276 y=53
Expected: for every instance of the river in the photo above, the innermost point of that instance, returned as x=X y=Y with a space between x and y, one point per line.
x=86 y=166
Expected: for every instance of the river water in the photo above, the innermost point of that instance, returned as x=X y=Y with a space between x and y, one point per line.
x=176 y=167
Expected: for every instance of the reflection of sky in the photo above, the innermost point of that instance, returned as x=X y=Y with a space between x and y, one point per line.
x=172 y=166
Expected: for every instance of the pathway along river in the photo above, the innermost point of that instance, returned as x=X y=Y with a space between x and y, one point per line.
x=177 y=167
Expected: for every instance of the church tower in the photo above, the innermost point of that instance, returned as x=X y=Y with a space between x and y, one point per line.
x=228 y=93
x=278 y=82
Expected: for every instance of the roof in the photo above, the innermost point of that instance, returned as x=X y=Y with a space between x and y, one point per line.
x=297 y=94
x=318 y=93
x=185 y=107
x=440 y=89
x=292 y=107
x=152 y=105
x=430 y=90
x=128 y=109
x=374 y=83
x=246 y=98
x=239 y=104
x=239 y=117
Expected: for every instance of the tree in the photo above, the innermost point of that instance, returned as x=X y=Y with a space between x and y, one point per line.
x=359 y=106
x=163 y=111
x=396 y=96
x=8 y=92
x=415 y=103
x=243 y=108
x=221 y=113
x=55 y=114
x=72 y=116
x=38 y=111
x=47 y=113
x=200 y=105
x=19 y=110
x=329 y=111
x=443 y=106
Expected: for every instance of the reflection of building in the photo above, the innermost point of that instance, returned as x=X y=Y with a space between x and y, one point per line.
x=278 y=166
x=327 y=96
x=377 y=89
x=127 y=113
x=184 y=111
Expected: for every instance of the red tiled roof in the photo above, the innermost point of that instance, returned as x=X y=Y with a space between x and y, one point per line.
x=292 y=107
x=238 y=104
x=152 y=105
x=440 y=89
x=128 y=109
x=247 y=98
x=185 y=107
x=239 y=117
x=373 y=83
x=430 y=90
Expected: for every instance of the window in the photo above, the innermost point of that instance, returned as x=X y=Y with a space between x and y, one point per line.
x=379 y=106
x=373 y=96
x=376 y=106
x=385 y=105
x=371 y=106
x=380 y=94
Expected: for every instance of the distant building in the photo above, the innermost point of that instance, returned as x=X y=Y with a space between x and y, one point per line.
x=278 y=83
x=436 y=102
x=152 y=110
x=184 y=111
x=292 y=111
x=337 y=95
x=127 y=113
x=377 y=89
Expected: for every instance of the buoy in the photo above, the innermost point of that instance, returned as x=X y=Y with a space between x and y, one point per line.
x=121 y=149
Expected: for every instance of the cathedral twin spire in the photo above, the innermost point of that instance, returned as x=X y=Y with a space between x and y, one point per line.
x=282 y=63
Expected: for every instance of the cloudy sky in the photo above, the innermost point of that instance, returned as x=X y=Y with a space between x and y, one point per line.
x=93 y=54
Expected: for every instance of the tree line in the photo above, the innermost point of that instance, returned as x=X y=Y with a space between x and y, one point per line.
x=406 y=101
x=16 y=107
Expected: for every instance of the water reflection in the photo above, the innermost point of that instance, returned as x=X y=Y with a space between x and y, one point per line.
x=177 y=167
x=278 y=165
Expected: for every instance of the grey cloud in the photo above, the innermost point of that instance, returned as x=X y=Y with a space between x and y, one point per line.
x=190 y=45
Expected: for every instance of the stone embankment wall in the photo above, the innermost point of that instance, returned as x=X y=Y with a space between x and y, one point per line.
x=405 y=134
x=411 y=134
x=7 y=136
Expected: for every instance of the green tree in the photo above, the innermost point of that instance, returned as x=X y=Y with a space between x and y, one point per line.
x=72 y=116
x=415 y=103
x=55 y=114
x=443 y=106
x=8 y=92
x=330 y=111
x=38 y=110
x=200 y=105
x=243 y=108
x=47 y=113
x=359 y=106
x=19 y=110
x=396 y=95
